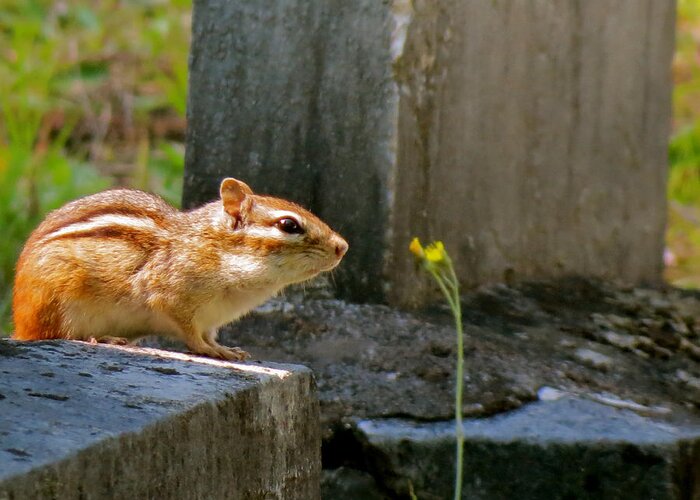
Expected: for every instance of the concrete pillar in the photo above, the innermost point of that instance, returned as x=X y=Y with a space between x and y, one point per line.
x=529 y=136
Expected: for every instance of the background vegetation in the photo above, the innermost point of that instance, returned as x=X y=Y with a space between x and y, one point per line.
x=92 y=94
x=683 y=236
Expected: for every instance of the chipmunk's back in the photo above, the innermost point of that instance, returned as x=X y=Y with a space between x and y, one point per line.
x=82 y=252
x=122 y=202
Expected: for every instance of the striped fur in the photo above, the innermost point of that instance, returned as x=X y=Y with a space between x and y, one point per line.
x=124 y=263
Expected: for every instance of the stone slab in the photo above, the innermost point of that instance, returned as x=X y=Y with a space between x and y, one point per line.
x=389 y=367
x=85 y=421
x=530 y=136
x=568 y=448
x=372 y=361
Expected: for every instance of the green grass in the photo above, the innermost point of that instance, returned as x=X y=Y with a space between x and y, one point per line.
x=683 y=235
x=92 y=94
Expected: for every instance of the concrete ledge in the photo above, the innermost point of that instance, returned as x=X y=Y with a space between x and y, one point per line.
x=568 y=448
x=84 y=421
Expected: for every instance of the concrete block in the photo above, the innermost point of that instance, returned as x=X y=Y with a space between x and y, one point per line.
x=555 y=409
x=569 y=448
x=92 y=422
x=529 y=136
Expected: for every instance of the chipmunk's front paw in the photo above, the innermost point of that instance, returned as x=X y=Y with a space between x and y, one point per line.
x=232 y=353
x=209 y=347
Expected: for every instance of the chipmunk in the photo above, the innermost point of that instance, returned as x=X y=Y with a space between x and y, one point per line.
x=121 y=264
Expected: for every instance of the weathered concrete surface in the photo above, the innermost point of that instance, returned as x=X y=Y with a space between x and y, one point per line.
x=529 y=136
x=296 y=97
x=348 y=483
x=525 y=345
x=569 y=448
x=372 y=361
x=83 y=421
x=374 y=364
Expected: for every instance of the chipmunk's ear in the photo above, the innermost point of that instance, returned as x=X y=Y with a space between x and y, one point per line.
x=233 y=192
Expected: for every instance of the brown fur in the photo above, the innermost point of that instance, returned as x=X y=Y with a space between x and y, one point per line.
x=155 y=268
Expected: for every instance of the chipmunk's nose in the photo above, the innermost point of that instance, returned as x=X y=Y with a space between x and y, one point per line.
x=341 y=247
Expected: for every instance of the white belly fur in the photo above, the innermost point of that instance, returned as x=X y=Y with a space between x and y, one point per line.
x=101 y=319
x=87 y=319
x=227 y=307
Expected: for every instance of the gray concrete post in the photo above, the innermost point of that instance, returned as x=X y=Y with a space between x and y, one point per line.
x=529 y=136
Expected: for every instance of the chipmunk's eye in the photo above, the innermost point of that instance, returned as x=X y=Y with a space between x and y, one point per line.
x=289 y=226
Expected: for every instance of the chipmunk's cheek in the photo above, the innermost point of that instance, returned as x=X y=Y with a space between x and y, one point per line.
x=312 y=270
x=297 y=269
x=311 y=273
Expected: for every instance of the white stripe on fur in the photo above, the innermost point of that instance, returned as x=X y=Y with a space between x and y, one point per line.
x=102 y=222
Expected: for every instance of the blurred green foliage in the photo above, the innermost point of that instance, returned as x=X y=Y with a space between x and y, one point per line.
x=684 y=156
x=683 y=235
x=92 y=94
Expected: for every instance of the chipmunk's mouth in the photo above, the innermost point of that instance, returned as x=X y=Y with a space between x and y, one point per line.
x=329 y=262
x=333 y=264
x=321 y=268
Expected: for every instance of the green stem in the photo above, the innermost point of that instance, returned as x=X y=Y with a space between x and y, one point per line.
x=443 y=287
x=452 y=296
x=459 y=429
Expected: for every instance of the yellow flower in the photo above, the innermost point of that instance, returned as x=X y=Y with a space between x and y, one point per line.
x=435 y=253
x=416 y=248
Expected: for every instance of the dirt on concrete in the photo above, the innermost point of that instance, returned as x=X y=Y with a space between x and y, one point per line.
x=636 y=348
x=630 y=346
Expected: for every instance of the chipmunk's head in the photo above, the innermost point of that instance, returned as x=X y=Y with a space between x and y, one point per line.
x=294 y=244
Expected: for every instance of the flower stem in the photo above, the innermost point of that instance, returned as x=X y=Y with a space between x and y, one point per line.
x=459 y=428
x=450 y=290
x=437 y=262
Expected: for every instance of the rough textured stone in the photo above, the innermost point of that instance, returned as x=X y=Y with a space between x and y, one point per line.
x=346 y=483
x=569 y=448
x=83 y=421
x=372 y=361
x=376 y=364
x=594 y=359
x=530 y=136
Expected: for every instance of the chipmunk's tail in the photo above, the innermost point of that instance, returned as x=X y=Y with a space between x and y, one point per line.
x=35 y=312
